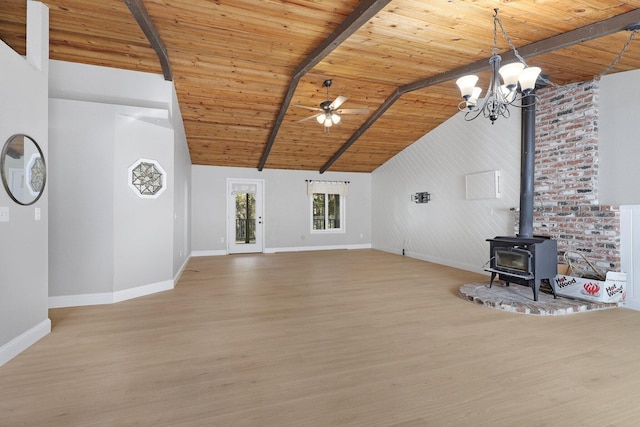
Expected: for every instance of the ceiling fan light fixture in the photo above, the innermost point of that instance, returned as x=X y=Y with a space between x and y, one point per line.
x=330 y=112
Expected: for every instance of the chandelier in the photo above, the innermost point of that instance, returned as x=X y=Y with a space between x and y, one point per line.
x=518 y=81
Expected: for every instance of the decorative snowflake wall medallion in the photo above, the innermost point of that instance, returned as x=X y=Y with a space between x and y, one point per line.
x=36 y=173
x=147 y=178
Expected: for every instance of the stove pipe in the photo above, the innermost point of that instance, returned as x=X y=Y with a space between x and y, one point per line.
x=527 y=167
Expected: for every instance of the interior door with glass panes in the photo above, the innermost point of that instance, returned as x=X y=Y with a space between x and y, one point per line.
x=245 y=217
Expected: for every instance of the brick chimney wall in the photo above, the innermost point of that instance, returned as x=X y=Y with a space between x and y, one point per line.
x=566 y=205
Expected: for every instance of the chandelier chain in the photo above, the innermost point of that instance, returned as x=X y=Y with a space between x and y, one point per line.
x=619 y=57
x=496 y=20
x=542 y=77
x=507 y=38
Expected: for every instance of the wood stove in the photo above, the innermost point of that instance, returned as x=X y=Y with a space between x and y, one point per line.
x=524 y=260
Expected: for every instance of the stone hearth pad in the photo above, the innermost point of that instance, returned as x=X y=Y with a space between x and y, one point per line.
x=519 y=299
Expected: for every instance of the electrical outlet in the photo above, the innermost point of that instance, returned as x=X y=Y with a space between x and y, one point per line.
x=37 y=214
x=4 y=214
x=222 y=240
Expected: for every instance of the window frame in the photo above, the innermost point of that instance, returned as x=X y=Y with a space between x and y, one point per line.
x=343 y=215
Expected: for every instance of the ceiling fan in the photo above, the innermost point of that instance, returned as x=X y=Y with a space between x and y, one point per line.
x=330 y=111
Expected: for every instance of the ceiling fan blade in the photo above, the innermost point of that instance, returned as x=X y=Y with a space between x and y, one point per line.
x=311 y=117
x=308 y=108
x=353 y=111
x=338 y=102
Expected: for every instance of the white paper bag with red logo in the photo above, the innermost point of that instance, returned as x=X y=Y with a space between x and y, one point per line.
x=612 y=290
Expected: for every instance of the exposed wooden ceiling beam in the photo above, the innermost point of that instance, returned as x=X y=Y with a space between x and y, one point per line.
x=139 y=12
x=570 y=38
x=366 y=10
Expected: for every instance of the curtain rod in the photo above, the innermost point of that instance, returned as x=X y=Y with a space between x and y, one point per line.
x=317 y=180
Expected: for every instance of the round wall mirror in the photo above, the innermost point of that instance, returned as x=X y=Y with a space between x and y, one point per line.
x=23 y=169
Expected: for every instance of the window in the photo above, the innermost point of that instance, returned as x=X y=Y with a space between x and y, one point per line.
x=327 y=206
x=245 y=218
x=327 y=212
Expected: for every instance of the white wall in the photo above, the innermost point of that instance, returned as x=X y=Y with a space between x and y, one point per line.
x=619 y=174
x=107 y=244
x=81 y=193
x=23 y=247
x=618 y=145
x=181 y=191
x=449 y=230
x=630 y=252
x=287 y=210
x=143 y=228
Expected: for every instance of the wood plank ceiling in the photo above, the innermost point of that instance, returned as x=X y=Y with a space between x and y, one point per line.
x=233 y=61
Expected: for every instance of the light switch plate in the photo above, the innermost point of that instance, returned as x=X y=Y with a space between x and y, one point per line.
x=4 y=214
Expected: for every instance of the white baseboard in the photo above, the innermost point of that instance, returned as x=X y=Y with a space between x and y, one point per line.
x=140 y=291
x=447 y=262
x=389 y=250
x=315 y=248
x=435 y=260
x=24 y=341
x=209 y=253
x=80 y=300
x=632 y=304
x=181 y=270
x=286 y=249
x=109 y=297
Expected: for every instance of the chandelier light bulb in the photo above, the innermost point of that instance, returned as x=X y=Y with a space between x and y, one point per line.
x=320 y=119
x=467 y=84
x=327 y=122
x=510 y=74
x=335 y=118
x=473 y=99
x=509 y=94
x=528 y=78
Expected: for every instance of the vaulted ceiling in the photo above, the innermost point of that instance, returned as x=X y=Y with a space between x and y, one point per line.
x=240 y=66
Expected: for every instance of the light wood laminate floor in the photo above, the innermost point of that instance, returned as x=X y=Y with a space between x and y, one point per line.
x=332 y=338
